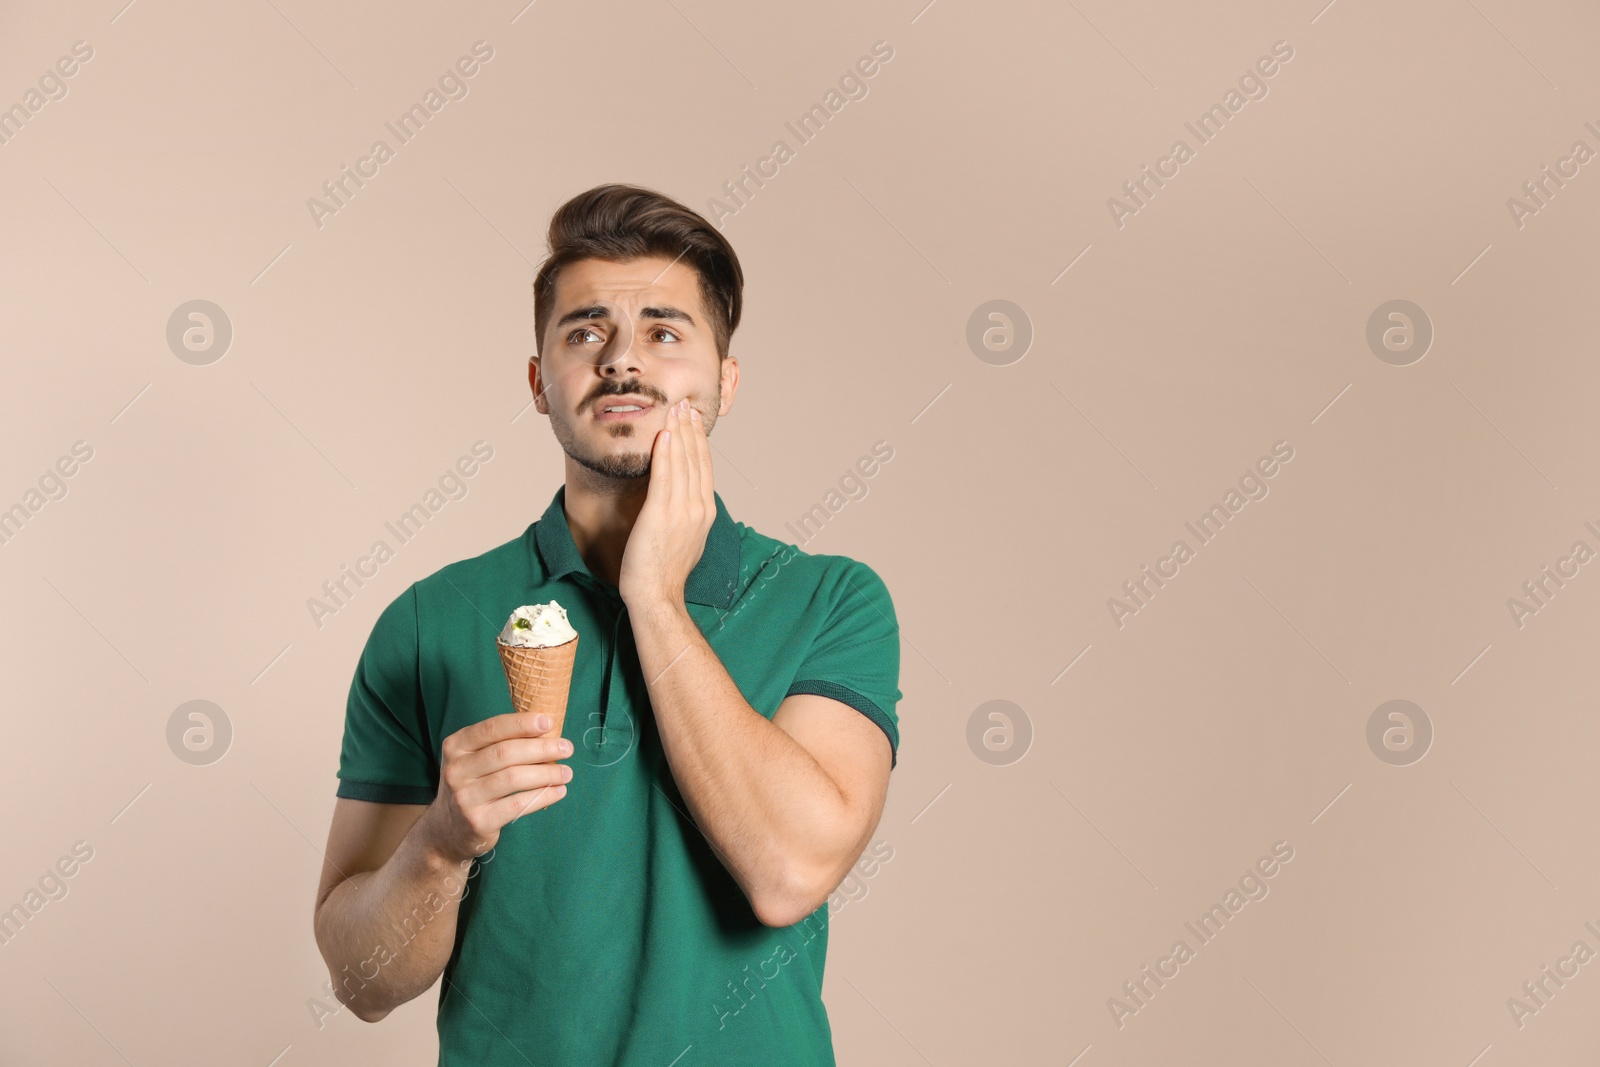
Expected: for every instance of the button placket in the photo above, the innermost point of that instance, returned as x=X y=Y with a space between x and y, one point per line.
x=604 y=744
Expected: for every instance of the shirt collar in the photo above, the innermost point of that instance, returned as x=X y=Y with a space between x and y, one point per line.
x=712 y=582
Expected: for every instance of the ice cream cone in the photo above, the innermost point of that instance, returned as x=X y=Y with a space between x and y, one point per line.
x=540 y=678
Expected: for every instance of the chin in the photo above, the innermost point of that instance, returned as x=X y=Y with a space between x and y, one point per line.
x=621 y=465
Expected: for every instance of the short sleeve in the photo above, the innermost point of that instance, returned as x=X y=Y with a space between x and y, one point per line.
x=855 y=658
x=385 y=756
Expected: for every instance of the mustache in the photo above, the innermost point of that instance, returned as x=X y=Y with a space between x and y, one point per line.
x=625 y=389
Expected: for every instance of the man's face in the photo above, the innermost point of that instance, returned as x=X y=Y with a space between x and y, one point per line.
x=626 y=334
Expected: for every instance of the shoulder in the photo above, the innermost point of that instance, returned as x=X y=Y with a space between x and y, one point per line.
x=829 y=576
x=458 y=587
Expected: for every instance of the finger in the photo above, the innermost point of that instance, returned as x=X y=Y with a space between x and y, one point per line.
x=691 y=456
x=702 y=444
x=513 y=751
x=495 y=728
x=682 y=459
x=517 y=805
x=660 y=489
x=510 y=780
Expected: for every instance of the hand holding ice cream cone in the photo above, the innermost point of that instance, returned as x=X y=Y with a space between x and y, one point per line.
x=497 y=770
x=491 y=774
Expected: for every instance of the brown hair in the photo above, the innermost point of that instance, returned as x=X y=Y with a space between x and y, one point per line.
x=625 y=222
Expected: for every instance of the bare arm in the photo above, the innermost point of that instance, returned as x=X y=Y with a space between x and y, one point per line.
x=386 y=906
x=394 y=874
x=788 y=803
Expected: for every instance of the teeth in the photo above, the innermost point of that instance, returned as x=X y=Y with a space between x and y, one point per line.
x=626 y=407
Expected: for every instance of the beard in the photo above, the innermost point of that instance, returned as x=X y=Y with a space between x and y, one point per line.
x=620 y=465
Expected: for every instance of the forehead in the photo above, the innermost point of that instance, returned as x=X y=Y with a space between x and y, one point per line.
x=633 y=283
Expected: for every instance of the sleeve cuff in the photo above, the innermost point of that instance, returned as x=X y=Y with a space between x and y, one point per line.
x=862 y=704
x=380 y=793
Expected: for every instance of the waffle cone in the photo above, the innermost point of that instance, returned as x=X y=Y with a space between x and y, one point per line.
x=539 y=679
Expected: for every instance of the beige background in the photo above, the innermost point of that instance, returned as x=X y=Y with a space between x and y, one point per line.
x=1228 y=314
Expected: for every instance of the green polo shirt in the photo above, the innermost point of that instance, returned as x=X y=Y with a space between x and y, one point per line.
x=603 y=930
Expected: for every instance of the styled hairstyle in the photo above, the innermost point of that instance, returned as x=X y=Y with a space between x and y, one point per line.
x=626 y=222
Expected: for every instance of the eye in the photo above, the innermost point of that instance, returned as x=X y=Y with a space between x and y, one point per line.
x=663 y=330
x=572 y=338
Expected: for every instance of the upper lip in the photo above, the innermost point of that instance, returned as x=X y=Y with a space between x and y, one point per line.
x=621 y=401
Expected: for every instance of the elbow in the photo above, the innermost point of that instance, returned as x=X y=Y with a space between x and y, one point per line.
x=789 y=903
x=362 y=1008
x=779 y=914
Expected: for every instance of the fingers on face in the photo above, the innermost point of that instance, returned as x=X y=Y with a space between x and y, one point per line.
x=699 y=454
x=691 y=453
x=678 y=447
x=661 y=461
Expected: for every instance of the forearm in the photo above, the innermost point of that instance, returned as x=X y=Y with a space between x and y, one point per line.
x=776 y=819
x=387 y=934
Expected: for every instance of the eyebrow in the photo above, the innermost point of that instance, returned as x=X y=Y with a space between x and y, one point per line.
x=600 y=311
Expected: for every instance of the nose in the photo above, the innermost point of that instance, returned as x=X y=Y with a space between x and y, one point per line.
x=619 y=355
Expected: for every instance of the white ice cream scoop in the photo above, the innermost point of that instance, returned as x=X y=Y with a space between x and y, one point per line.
x=538 y=626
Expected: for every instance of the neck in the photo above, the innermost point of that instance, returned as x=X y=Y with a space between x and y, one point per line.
x=600 y=513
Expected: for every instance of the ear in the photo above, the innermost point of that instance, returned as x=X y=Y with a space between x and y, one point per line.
x=536 y=383
x=730 y=384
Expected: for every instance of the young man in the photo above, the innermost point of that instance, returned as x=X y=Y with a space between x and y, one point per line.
x=650 y=887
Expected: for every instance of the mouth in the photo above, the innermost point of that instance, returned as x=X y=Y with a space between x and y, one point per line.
x=622 y=408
